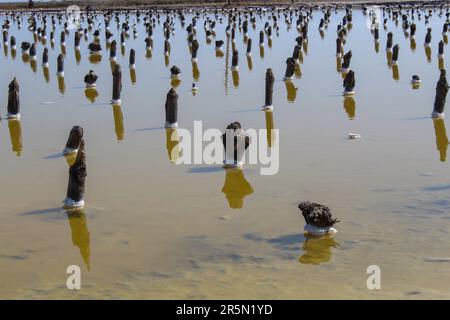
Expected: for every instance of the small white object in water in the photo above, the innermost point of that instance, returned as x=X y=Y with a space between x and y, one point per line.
x=319 y=231
x=353 y=136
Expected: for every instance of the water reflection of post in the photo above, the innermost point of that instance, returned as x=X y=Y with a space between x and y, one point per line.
x=317 y=250
x=195 y=71
x=80 y=234
x=227 y=63
x=15 y=132
x=236 y=187
x=441 y=138
x=172 y=145
x=118 y=121
x=270 y=128
x=291 y=91
x=91 y=94
x=350 y=106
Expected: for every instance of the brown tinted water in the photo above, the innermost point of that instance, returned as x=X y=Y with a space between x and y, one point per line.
x=152 y=229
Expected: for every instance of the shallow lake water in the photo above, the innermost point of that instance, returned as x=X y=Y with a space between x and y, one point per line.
x=153 y=229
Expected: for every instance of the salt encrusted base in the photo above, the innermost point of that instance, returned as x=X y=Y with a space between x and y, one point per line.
x=319 y=231
x=267 y=108
x=171 y=125
x=232 y=164
x=72 y=204
x=116 y=102
x=437 y=115
x=90 y=85
x=132 y=66
x=288 y=78
x=349 y=93
x=60 y=74
x=236 y=68
x=13 y=116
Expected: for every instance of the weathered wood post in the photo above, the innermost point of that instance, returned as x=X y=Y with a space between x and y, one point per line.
x=428 y=38
x=171 y=107
x=113 y=50
x=412 y=31
x=441 y=95
x=235 y=60
x=441 y=49
x=132 y=59
x=349 y=83
x=13 y=100
x=395 y=51
x=346 y=63
x=77 y=179
x=117 y=84
x=12 y=43
x=195 y=46
x=338 y=47
x=290 y=69
x=33 y=51
x=74 y=140
x=45 y=58
x=235 y=142
x=90 y=79
x=389 y=41
x=249 y=47
x=296 y=54
x=270 y=79
x=60 y=65
x=63 y=39
x=76 y=41
x=166 y=48
x=175 y=72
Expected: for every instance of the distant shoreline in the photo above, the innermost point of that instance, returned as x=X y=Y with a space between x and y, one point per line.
x=143 y=4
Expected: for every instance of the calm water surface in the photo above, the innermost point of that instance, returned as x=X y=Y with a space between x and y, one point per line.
x=152 y=229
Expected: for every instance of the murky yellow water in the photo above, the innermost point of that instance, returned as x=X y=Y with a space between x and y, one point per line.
x=152 y=229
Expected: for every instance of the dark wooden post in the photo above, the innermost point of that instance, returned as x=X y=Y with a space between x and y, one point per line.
x=349 y=83
x=195 y=46
x=77 y=179
x=235 y=142
x=290 y=69
x=441 y=95
x=270 y=79
x=235 y=60
x=346 y=63
x=395 y=50
x=132 y=59
x=171 y=109
x=117 y=84
x=13 y=100
x=74 y=140
x=60 y=65
x=389 y=41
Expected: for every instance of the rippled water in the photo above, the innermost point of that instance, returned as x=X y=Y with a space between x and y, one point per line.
x=152 y=229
